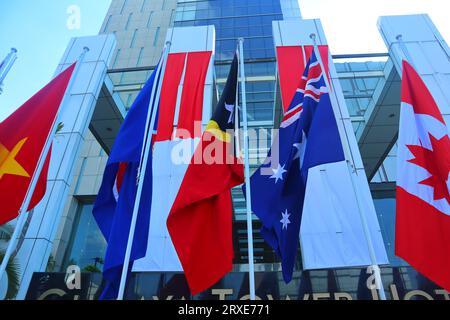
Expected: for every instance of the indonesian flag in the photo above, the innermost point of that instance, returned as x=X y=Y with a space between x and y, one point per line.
x=423 y=199
x=200 y=221
x=22 y=140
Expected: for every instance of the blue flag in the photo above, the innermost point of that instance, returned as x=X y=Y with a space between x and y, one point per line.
x=114 y=205
x=308 y=137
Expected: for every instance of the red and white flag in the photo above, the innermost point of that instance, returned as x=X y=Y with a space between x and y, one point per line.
x=423 y=199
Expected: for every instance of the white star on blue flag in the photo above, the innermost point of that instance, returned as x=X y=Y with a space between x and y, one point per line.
x=285 y=220
x=278 y=173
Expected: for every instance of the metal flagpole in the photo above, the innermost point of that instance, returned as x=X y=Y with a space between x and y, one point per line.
x=251 y=265
x=35 y=178
x=237 y=122
x=405 y=51
x=148 y=136
x=7 y=65
x=376 y=268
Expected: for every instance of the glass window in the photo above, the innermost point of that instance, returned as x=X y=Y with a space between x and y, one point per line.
x=241 y=11
x=88 y=246
x=227 y=23
x=226 y=33
x=260 y=111
x=188 y=15
x=227 y=45
x=202 y=14
x=385 y=207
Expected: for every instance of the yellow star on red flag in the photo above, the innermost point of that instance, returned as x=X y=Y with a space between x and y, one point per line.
x=8 y=162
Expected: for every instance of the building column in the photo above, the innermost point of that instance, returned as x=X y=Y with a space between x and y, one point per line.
x=426 y=50
x=36 y=241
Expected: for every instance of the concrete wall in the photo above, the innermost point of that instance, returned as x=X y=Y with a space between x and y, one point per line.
x=140 y=27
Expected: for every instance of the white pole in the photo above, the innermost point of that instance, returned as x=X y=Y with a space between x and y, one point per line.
x=152 y=110
x=251 y=263
x=7 y=65
x=405 y=51
x=376 y=268
x=373 y=260
x=237 y=124
x=35 y=178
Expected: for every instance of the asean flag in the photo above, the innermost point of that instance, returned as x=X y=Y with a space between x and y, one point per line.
x=22 y=139
x=423 y=199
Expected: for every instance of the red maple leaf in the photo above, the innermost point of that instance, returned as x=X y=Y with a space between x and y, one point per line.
x=437 y=163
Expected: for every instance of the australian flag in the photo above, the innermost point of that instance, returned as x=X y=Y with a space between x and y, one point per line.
x=308 y=137
x=114 y=205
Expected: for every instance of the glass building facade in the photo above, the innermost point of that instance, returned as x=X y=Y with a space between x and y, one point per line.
x=135 y=22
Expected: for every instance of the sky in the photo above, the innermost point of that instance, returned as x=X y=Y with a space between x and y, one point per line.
x=351 y=25
x=38 y=29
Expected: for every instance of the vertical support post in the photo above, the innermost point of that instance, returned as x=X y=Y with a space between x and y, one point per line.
x=251 y=265
x=34 y=180
x=376 y=268
x=148 y=136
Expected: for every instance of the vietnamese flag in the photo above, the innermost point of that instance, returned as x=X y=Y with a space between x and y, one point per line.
x=423 y=201
x=22 y=140
x=200 y=221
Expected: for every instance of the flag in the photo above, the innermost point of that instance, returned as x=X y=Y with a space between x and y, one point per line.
x=114 y=205
x=183 y=109
x=423 y=201
x=200 y=220
x=22 y=139
x=308 y=137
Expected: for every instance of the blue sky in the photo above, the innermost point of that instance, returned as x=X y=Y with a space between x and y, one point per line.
x=38 y=29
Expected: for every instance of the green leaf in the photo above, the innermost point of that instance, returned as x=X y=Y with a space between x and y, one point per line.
x=13 y=273
x=60 y=126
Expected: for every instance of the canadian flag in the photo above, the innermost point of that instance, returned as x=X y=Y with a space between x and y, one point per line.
x=423 y=199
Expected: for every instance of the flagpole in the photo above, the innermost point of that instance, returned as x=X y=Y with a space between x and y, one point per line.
x=7 y=65
x=148 y=136
x=405 y=51
x=35 y=178
x=251 y=263
x=376 y=268
x=237 y=123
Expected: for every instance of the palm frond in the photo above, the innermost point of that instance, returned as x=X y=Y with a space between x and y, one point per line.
x=13 y=273
x=7 y=230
